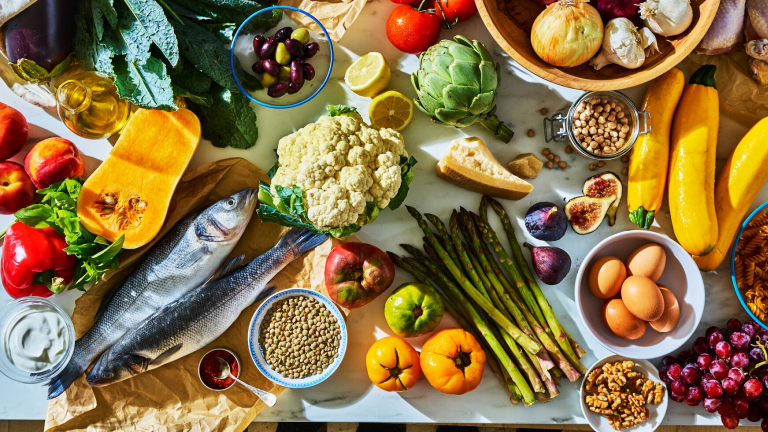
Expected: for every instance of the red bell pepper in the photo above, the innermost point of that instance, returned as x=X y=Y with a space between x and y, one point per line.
x=34 y=263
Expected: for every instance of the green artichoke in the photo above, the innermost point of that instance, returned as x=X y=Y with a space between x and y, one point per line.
x=456 y=84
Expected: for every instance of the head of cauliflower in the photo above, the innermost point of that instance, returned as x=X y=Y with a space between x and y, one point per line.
x=341 y=164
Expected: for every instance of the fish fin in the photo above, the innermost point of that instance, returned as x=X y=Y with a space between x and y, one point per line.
x=136 y=363
x=267 y=292
x=61 y=382
x=226 y=269
x=162 y=358
x=298 y=242
x=193 y=257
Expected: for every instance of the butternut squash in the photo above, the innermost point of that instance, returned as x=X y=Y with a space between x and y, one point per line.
x=131 y=190
x=740 y=180
x=649 y=159
x=692 y=164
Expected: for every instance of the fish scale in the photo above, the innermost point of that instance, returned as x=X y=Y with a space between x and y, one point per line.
x=200 y=316
x=180 y=262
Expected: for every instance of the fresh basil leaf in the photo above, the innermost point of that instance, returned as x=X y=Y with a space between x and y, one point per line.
x=35 y=216
x=101 y=240
x=340 y=110
x=156 y=26
x=147 y=85
x=109 y=252
x=229 y=121
x=406 y=175
x=83 y=250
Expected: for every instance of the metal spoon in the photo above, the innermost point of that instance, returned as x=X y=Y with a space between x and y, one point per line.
x=225 y=372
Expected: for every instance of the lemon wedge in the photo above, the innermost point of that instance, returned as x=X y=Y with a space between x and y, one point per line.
x=391 y=109
x=368 y=75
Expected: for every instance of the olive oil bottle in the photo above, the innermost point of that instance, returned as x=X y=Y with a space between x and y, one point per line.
x=90 y=107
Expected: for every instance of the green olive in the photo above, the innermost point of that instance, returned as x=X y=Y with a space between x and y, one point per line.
x=267 y=80
x=282 y=55
x=301 y=35
x=285 y=73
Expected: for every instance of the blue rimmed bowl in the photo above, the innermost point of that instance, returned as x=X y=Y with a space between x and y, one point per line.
x=736 y=287
x=242 y=48
x=257 y=353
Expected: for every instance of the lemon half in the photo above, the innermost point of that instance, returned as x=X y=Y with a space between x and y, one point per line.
x=391 y=109
x=368 y=75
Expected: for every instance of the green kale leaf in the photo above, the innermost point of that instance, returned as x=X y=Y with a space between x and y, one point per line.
x=156 y=26
x=230 y=120
x=146 y=85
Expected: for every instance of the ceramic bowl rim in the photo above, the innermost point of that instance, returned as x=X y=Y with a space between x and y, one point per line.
x=254 y=348
x=740 y=296
x=660 y=238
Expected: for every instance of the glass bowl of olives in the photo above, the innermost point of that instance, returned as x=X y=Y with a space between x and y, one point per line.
x=281 y=57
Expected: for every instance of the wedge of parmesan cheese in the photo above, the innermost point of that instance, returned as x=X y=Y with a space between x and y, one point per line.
x=470 y=165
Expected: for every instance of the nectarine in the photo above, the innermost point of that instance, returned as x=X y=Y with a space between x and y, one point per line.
x=53 y=160
x=16 y=188
x=14 y=131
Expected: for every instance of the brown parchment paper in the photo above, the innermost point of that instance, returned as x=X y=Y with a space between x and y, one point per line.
x=739 y=93
x=335 y=15
x=171 y=398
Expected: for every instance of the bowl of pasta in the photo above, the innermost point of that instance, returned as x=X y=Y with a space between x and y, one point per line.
x=749 y=265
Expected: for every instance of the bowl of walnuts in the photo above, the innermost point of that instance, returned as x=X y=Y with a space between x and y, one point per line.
x=618 y=393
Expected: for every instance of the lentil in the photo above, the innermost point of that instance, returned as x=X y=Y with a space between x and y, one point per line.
x=544 y=111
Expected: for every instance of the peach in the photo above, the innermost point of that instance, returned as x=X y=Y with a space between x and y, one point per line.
x=13 y=131
x=16 y=188
x=53 y=160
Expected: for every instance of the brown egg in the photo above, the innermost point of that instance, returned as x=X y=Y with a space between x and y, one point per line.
x=648 y=260
x=643 y=298
x=671 y=315
x=620 y=320
x=606 y=276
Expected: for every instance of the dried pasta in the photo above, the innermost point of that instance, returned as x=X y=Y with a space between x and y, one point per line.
x=751 y=265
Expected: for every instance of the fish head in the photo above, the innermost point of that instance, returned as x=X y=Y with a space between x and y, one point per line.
x=226 y=219
x=110 y=369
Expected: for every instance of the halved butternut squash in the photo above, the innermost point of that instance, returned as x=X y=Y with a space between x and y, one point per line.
x=131 y=190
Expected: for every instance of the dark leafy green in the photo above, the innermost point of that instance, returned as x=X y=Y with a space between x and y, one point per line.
x=229 y=120
x=406 y=174
x=144 y=84
x=155 y=25
x=58 y=210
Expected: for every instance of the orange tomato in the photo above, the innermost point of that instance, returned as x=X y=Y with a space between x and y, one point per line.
x=453 y=361
x=393 y=364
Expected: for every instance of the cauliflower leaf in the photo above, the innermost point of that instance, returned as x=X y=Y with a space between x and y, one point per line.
x=406 y=173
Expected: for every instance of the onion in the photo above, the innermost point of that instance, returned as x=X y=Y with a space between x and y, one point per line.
x=610 y=9
x=567 y=33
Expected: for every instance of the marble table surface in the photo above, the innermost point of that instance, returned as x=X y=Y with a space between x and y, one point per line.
x=348 y=395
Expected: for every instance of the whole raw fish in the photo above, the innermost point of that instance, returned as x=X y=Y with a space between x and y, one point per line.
x=199 y=317
x=184 y=259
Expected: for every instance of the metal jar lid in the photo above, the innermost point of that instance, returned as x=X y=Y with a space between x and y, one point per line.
x=559 y=127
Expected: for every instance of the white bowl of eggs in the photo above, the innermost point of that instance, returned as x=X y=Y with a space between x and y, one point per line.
x=640 y=294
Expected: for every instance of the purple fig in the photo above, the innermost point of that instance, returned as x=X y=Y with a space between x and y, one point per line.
x=545 y=221
x=551 y=263
x=605 y=185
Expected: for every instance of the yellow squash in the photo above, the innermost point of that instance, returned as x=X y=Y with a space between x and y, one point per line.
x=649 y=160
x=692 y=164
x=131 y=190
x=737 y=186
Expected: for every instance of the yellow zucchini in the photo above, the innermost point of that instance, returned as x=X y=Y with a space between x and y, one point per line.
x=692 y=164
x=740 y=180
x=649 y=160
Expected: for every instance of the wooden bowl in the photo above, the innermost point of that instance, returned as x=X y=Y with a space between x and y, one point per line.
x=510 y=22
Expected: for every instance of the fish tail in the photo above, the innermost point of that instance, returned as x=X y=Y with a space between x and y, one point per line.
x=298 y=241
x=61 y=382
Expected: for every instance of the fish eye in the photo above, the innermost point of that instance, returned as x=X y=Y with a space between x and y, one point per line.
x=107 y=375
x=231 y=202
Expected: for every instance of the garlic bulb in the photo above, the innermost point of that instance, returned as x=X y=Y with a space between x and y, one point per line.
x=624 y=45
x=667 y=17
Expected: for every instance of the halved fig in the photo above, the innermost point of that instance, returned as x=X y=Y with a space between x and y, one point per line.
x=602 y=186
x=586 y=213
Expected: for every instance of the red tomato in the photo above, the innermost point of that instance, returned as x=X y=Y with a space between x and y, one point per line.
x=412 y=31
x=407 y=2
x=453 y=9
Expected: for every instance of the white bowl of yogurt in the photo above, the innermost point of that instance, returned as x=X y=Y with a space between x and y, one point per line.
x=37 y=340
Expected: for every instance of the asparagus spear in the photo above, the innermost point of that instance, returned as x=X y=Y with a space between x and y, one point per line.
x=482 y=326
x=526 y=342
x=443 y=232
x=549 y=315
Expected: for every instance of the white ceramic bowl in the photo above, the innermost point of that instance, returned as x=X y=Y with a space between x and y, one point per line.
x=258 y=356
x=681 y=276
x=600 y=423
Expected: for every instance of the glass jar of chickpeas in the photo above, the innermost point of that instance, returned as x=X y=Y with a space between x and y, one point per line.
x=601 y=125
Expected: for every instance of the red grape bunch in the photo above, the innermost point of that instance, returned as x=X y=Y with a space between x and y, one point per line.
x=726 y=371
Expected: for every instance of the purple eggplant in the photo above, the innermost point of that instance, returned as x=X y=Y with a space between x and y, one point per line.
x=258 y=41
x=44 y=33
x=551 y=264
x=311 y=49
x=283 y=34
x=297 y=73
x=309 y=71
x=271 y=67
x=267 y=48
x=277 y=90
x=258 y=67
x=294 y=47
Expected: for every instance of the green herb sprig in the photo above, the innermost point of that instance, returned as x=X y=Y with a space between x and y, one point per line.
x=58 y=210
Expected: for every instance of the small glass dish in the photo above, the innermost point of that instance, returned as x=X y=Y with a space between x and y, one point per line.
x=763 y=208
x=242 y=48
x=560 y=127
x=9 y=316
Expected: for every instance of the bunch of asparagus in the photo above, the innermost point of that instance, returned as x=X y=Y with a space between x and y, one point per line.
x=495 y=296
